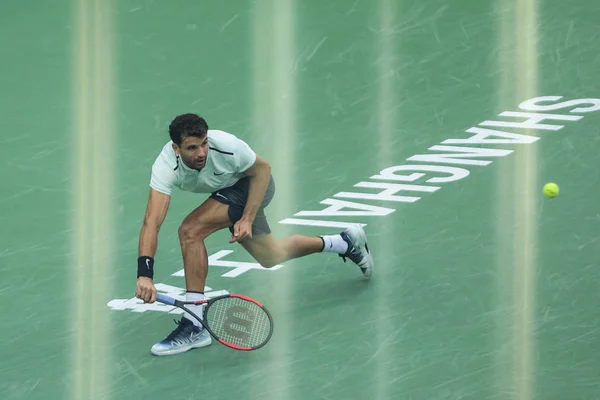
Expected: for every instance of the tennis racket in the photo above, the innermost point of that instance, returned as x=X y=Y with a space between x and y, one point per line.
x=237 y=321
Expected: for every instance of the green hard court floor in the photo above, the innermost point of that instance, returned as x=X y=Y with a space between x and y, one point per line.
x=483 y=289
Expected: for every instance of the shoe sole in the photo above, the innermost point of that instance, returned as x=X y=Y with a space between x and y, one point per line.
x=370 y=261
x=181 y=349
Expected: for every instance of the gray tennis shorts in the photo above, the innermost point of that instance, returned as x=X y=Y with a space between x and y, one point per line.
x=236 y=196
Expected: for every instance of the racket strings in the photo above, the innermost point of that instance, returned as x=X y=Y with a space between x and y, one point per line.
x=239 y=322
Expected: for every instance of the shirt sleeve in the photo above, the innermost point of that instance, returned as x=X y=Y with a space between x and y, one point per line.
x=163 y=177
x=245 y=156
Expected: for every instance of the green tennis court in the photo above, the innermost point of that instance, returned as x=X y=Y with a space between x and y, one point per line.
x=433 y=123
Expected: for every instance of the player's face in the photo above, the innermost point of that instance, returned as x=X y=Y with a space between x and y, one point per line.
x=193 y=152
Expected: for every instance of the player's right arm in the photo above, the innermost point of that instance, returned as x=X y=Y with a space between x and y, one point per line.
x=162 y=181
x=156 y=211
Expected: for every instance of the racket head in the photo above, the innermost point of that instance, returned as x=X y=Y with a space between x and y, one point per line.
x=239 y=322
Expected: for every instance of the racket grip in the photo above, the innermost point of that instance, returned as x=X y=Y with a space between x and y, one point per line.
x=163 y=298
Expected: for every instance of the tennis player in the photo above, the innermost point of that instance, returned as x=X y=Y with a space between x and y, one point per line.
x=201 y=160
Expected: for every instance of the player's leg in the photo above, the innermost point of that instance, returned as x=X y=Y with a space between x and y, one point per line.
x=268 y=252
x=208 y=218
x=352 y=243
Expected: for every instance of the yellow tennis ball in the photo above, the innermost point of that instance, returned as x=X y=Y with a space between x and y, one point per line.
x=551 y=190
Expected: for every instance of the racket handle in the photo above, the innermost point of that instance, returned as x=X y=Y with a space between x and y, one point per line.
x=163 y=298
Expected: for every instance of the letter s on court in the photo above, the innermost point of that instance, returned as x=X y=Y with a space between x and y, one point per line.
x=531 y=104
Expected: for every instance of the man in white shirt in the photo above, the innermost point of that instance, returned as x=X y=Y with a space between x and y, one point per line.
x=200 y=160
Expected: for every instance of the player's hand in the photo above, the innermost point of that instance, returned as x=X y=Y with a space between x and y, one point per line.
x=145 y=290
x=242 y=230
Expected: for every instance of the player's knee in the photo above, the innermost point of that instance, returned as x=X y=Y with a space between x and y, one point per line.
x=191 y=232
x=268 y=263
x=272 y=259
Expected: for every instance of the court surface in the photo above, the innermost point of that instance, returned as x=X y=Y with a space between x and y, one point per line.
x=483 y=289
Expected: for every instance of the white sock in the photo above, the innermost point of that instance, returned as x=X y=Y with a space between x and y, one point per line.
x=196 y=309
x=334 y=244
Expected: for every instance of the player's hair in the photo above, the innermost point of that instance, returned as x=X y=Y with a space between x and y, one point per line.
x=185 y=125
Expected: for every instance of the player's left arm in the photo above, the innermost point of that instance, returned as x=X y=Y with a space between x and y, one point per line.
x=259 y=176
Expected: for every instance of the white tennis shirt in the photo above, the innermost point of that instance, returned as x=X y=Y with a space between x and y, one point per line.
x=228 y=156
